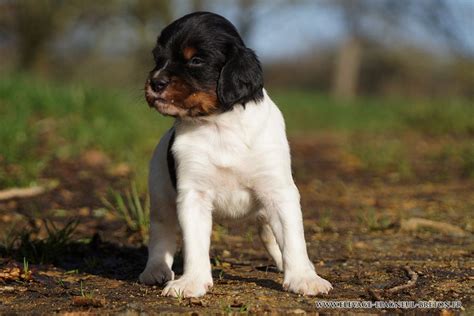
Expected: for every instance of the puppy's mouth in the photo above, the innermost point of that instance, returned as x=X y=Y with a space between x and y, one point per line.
x=161 y=104
x=180 y=100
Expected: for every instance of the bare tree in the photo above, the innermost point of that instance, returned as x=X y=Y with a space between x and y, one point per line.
x=246 y=17
x=365 y=20
x=149 y=13
x=34 y=24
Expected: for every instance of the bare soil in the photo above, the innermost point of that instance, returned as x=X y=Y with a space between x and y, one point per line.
x=353 y=225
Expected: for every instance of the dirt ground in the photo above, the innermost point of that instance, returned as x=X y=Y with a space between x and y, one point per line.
x=357 y=228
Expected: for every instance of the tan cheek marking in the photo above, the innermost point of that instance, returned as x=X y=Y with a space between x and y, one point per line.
x=202 y=103
x=176 y=92
x=189 y=52
x=179 y=94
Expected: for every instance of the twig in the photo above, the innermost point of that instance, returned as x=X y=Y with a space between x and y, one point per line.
x=18 y=193
x=377 y=294
x=414 y=224
x=23 y=193
x=411 y=283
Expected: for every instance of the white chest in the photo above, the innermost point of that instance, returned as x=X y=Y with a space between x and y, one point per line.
x=224 y=156
x=236 y=203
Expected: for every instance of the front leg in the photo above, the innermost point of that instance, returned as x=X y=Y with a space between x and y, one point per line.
x=195 y=218
x=285 y=218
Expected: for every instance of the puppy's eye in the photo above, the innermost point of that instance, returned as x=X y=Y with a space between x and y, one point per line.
x=196 y=61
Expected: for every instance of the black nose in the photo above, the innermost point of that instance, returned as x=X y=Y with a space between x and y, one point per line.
x=158 y=84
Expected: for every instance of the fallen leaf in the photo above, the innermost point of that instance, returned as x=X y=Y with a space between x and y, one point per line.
x=7 y=289
x=10 y=274
x=196 y=302
x=297 y=311
x=87 y=301
x=95 y=158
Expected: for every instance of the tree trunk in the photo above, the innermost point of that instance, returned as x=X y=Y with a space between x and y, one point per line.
x=34 y=27
x=346 y=71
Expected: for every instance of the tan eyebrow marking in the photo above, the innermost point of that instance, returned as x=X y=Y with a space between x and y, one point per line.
x=188 y=52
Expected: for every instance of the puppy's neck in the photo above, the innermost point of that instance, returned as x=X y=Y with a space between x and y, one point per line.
x=251 y=111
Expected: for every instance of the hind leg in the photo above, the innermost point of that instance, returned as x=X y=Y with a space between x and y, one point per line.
x=283 y=211
x=163 y=218
x=269 y=242
x=161 y=247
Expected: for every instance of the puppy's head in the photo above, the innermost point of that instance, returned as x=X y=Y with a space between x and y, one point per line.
x=202 y=67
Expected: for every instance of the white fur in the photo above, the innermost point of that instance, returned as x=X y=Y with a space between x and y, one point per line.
x=231 y=164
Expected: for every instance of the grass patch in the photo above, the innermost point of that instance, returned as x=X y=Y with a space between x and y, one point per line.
x=455 y=157
x=25 y=244
x=467 y=156
x=382 y=155
x=373 y=220
x=84 y=293
x=131 y=209
x=325 y=221
x=308 y=111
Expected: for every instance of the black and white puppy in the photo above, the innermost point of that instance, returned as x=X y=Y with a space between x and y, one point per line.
x=231 y=154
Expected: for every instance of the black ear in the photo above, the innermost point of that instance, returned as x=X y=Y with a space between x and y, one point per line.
x=241 y=79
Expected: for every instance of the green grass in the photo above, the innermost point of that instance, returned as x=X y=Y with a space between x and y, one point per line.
x=43 y=120
x=308 y=111
x=374 y=220
x=379 y=155
x=40 y=121
x=26 y=244
x=131 y=209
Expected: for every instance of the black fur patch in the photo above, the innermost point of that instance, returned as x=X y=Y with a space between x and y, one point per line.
x=241 y=78
x=171 y=160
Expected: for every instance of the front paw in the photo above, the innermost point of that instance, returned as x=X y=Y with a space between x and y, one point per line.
x=188 y=286
x=306 y=283
x=156 y=274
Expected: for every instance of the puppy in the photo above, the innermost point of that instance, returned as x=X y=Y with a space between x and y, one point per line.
x=227 y=154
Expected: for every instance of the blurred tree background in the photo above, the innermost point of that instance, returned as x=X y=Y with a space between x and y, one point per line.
x=347 y=48
x=72 y=74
